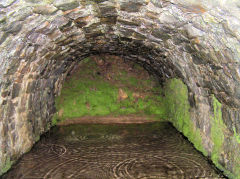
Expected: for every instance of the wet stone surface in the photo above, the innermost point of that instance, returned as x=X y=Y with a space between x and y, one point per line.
x=91 y=151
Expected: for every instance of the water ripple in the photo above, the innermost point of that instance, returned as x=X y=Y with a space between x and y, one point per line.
x=146 y=151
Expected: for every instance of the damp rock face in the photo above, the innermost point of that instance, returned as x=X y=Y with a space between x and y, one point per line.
x=197 y=42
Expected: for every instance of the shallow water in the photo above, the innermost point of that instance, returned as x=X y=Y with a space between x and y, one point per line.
x=123 y=151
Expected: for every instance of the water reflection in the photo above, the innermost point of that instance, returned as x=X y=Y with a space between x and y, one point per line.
x=95 y=151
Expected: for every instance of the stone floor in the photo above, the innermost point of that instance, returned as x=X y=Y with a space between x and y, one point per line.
x=152 y=150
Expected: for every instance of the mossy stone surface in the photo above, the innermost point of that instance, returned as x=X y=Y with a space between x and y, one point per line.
x=7 y=165
x=94 y=90
x=218 y=138
x=178 y=111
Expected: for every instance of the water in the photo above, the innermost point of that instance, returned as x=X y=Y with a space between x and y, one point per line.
x=124 y=151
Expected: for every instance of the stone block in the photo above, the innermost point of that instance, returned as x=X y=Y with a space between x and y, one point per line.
x=66 y=5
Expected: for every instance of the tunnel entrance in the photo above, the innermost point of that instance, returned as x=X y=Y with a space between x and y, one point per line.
x=109 y=86
x=114 y=120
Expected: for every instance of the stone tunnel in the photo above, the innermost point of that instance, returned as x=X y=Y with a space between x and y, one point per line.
x=195 y=41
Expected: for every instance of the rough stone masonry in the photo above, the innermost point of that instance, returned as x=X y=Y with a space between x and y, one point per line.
x=195 y=41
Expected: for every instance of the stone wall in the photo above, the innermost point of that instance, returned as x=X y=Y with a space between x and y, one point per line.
x=196 y=41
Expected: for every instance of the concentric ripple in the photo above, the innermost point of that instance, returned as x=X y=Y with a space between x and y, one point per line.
x=134 y=151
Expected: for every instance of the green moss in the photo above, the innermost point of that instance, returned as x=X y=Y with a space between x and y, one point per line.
x=236 y=135
x=236 y=168
x=6 y=166
x=217 y=135
x=54 y=120
x=92 y=98
x=37 y=138
x=178 y=107
x=87 y=93
x=217 y=131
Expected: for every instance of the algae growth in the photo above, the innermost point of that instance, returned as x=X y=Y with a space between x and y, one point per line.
x=217 y=131
x=178 y=110
x=6 y=166
x=218 y=139
x=102 y=88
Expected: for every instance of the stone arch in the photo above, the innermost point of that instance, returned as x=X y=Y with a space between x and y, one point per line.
x=42 y=40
